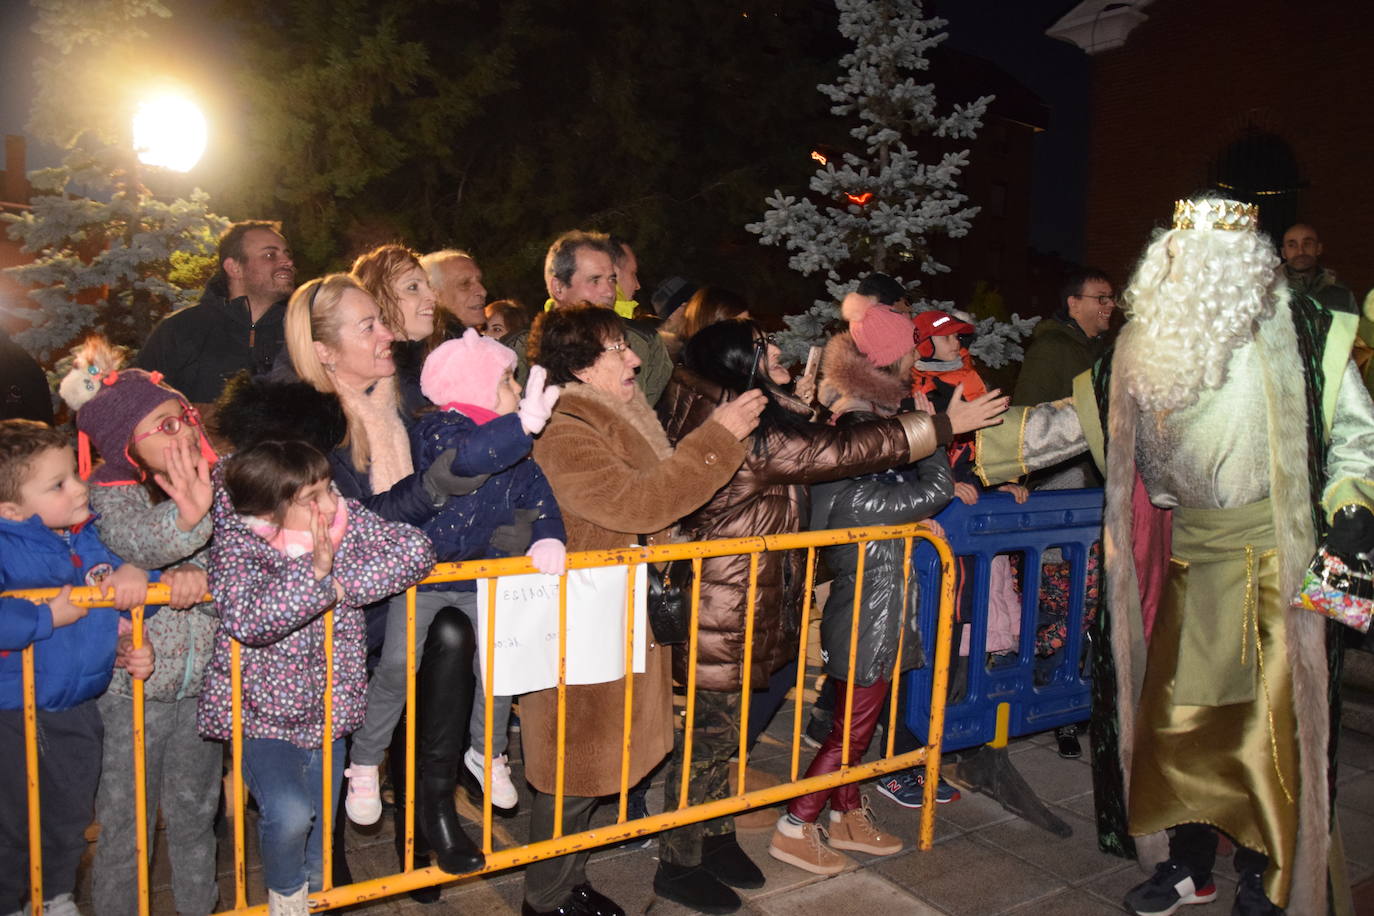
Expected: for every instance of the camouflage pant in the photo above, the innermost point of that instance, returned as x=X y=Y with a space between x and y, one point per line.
x=715 y=737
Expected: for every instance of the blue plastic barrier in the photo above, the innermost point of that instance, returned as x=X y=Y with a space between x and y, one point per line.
x=1068 y=519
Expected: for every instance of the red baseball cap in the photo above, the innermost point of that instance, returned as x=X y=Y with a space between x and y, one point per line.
x=935 y=323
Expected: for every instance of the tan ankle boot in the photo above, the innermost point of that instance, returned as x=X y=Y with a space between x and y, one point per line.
x=857 y=830
x=808 y=851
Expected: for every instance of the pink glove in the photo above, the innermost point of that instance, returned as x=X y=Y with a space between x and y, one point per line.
x=549 y=556
x=537 y=405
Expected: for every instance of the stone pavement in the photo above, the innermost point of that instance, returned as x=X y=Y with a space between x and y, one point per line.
x=985 y=861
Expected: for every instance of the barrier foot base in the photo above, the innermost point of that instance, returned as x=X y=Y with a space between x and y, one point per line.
x=989 y=770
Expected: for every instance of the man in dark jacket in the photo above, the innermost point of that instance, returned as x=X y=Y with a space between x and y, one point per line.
x=24 y=393
x=1302 y=268
x=580 y=267
x=238 y=322
x=1069 y=342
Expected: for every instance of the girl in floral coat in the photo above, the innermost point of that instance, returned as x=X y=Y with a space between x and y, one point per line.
x=287 y=548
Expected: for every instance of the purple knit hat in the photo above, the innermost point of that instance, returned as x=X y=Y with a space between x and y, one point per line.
x=108 y=419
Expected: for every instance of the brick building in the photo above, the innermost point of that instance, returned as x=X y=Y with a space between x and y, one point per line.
x=1268 y=97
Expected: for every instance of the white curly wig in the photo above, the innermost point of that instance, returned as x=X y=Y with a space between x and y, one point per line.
x=1195 y=297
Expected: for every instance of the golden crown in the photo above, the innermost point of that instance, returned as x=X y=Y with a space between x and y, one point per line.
x=1213 y=213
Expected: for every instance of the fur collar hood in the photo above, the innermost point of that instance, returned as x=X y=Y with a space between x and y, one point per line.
x=850 y=382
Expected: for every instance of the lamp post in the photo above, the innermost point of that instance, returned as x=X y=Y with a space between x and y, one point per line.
x=169 y=132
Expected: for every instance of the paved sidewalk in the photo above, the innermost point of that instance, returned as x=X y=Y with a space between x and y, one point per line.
x=985 y=861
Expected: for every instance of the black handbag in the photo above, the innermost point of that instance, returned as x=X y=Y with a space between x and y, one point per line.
x=669 y=601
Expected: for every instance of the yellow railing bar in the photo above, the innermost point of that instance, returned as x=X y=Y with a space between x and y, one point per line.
x=630 y=571
x=412 y=712
x=140 y=774
x=514 y=857
x=562 y=733
x=853 y=654
x=236 y=718
x=328 y=798
x=498 y=860
x=745 y=674
x=689 y=721
x=801 y=661
x=31 y=762
x=488 y=689
x=938 y=689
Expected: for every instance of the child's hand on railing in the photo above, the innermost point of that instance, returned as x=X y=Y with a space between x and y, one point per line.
x=187 y=584
x=63 y=611
x=935 y=528
x=129 y=584
x=138 y=662
x=967 y=493
x=549 y=556
x=1018 y=492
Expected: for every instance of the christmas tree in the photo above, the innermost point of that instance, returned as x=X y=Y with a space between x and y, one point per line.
x=109 y=255
x=881 y=209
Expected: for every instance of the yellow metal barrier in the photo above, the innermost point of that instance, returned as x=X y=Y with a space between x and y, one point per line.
x=412 y=878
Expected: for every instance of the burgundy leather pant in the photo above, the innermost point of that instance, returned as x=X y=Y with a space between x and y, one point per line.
x=868 y=702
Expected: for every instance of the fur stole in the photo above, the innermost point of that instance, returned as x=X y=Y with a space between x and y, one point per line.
x=1291 y=499
x=849 y=381
x=636 y=412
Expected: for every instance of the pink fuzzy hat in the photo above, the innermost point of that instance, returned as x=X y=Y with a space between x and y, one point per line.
x=881 y=334
x=466 y=370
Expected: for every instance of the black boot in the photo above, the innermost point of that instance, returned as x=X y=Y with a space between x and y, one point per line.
x=695 y=888
x=722 y=857
x=444 y=692
x=396 y=772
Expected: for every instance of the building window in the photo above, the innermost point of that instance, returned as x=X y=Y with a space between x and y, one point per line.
x=1259 y=167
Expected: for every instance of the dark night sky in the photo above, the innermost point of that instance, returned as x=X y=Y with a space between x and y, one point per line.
x=1008 y=32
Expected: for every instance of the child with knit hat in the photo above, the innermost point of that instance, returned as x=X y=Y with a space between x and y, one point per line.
x=151 y=495
x=482 y=419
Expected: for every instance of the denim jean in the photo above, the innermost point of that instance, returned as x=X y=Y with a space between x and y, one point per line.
x=285 y=780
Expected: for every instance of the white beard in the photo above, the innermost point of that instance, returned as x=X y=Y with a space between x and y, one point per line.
x=1191 y=310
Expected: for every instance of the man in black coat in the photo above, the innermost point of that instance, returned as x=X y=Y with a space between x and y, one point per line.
x=238 y=322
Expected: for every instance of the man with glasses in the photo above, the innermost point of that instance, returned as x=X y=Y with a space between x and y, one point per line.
x=1069 y=342
x=1062 y=347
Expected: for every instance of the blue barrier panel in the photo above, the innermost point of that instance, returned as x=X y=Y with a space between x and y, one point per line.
x=1068 y=519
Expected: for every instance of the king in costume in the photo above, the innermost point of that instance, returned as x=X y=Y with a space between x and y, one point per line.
x=1233 y=429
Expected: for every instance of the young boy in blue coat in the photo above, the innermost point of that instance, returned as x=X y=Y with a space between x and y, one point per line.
x=487 y=428
x=47 y=541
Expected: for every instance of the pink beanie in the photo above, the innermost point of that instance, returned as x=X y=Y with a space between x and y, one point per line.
x=881 y=334
x=466 y=370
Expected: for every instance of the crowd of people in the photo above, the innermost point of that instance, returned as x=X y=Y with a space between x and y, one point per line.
x=306 y=453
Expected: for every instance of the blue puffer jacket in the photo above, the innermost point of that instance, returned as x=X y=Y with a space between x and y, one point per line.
x=72 y=664
x=463 y=528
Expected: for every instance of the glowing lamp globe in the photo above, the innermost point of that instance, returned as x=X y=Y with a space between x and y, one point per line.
x=169 y=132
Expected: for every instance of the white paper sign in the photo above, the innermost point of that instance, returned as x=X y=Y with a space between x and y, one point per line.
x=526 y=657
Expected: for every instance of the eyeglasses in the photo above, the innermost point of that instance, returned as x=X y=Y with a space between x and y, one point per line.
x=764 y=340
x=170 y=426
x=616 y=347
x=1102 y=301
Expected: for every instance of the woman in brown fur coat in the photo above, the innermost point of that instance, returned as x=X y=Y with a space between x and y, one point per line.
x=615 y=477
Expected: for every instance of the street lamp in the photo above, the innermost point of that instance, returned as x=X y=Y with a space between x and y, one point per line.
x=169 y=132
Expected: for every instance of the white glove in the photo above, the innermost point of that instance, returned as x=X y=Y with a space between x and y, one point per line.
x=537 y=405
x=549 y=556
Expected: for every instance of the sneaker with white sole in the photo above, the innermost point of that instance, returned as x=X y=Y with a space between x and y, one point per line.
x=809 y=852
x=364 y=801
x=503 y=794
x=1171 y=887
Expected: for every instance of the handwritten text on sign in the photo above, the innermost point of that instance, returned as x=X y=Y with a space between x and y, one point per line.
x=526 y=653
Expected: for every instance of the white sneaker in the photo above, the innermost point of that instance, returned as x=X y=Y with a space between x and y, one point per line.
x=294 y=904
x=503 y=794
x=364 y=802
